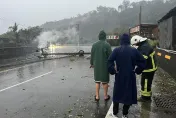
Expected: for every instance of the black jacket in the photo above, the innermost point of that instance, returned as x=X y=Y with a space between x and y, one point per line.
x=149 y=54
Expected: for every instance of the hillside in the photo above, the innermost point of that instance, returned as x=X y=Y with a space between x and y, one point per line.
x=114 y=19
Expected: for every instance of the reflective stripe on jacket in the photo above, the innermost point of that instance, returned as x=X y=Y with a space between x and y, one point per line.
x=149 y=54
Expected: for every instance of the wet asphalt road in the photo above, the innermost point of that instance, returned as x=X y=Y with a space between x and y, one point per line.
x=52 y=89
x=64 y=88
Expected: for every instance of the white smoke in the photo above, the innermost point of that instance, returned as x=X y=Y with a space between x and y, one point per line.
x=69 y=35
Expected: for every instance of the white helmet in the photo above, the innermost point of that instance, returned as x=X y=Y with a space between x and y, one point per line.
x=137 y=39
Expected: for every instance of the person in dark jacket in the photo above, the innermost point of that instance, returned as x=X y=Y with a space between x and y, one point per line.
x=148 y=74
x=126 y=58
x=100 y=53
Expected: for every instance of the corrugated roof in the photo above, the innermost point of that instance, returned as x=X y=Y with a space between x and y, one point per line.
x=171 y=13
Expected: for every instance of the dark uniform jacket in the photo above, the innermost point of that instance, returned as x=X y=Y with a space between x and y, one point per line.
x=149 y=54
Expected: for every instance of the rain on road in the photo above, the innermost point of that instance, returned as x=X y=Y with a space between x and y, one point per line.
x=51 y=89
x=64 y=88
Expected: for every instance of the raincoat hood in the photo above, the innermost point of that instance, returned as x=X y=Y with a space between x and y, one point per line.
x=125 y=39
x=102 y=35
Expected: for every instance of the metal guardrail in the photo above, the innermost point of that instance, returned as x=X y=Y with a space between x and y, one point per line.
x=169 y=51
x=65 y=53
x=166 y=60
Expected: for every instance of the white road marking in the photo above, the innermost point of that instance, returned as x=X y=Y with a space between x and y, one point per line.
x=25 y=81
x=109 y=113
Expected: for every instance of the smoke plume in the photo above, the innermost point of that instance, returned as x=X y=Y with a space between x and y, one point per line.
x=68 y=36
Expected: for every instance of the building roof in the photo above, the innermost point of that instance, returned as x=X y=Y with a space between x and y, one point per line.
x=149 y=24
x=171 y=13
x=145 y=24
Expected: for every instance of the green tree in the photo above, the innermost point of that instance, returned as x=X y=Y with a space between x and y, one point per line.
x=22 y=36
x=14 y=28
x=28 y=35
x=120 y=8
x=107 y=19
x=126 y=4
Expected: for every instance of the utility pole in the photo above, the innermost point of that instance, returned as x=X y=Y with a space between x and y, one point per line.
x=77 y=28
x=140 y=19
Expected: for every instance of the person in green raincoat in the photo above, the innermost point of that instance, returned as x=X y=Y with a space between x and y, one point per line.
x=100 y=53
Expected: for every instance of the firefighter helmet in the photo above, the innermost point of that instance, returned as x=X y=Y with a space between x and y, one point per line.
x=137 y=39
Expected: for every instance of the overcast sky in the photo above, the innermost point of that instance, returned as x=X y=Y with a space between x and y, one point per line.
x=36 y=12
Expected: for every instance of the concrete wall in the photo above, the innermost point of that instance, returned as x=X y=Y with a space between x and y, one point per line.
x=166 y=60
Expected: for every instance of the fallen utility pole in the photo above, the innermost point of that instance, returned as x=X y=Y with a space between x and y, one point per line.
x=66 y=53
x=80 y=53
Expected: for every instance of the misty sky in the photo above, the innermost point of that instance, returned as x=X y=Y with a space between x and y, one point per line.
x=36 y=12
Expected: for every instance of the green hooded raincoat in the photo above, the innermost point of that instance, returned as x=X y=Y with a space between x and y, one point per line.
x=100 y=53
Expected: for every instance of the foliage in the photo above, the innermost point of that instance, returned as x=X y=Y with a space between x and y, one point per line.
x=28 y=35
x=14 y=28
x=114 y=20
x=22 y=36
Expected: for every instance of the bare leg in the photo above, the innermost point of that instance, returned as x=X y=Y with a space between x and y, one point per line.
x=105 y=86
x=97 y=90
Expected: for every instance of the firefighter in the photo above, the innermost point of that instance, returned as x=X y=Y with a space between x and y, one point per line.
x=148 y=53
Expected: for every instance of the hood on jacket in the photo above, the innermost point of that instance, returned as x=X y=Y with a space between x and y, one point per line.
x=125 y=39
x=102 y=35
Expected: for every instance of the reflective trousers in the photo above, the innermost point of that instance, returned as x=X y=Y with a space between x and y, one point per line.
x=146 y=84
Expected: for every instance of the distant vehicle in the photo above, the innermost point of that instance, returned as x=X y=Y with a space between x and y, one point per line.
x=144 y=30
x=113 y=39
